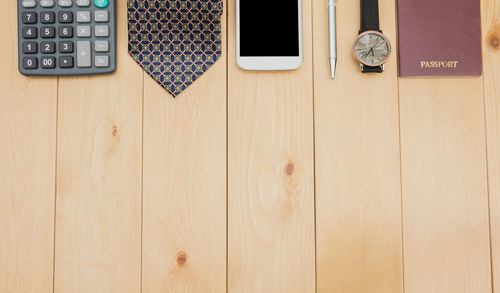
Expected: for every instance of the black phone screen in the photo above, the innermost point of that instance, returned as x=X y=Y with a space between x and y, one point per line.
x=269 y=28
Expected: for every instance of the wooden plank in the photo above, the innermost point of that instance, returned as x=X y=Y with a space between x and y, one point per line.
x=445 y=201
x=270 y=175
x=358 y=198
x=27 y=171
x=98 y=208
x=184 y=242
x=491 y=53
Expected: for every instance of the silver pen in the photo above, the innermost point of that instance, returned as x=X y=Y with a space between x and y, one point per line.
x=332 y=35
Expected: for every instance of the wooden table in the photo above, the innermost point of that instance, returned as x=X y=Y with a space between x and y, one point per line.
x=252 y=182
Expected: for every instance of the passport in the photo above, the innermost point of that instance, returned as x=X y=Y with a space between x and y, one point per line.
x=439 y=38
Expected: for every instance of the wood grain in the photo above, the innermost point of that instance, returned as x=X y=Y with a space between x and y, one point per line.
x=358 y=199
x=98 y=208
x=184 y=244
x=270 y=175
x=491 y=53
x=79 y=157
x=445 y=203
x=27 y=169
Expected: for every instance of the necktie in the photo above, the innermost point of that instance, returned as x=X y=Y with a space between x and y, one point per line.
x=175 y=41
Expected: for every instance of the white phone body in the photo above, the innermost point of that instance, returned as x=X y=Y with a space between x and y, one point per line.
x=268 y=63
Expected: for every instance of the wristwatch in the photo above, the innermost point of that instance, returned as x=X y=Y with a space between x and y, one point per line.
x=371 y=48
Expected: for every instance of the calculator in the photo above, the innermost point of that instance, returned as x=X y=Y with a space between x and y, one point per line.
x=66 y=37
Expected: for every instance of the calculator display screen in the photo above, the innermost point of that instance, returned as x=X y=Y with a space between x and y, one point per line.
x=269 y=28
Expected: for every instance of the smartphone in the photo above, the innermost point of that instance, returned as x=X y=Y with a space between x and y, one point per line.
x=269 y=34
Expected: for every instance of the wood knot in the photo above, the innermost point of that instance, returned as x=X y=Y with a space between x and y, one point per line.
x=114 y=131
x=181 y=258
x=494 y=42
x=289 y=168
x=493 y=39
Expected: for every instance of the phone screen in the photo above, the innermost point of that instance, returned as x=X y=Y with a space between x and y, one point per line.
x=269 y=28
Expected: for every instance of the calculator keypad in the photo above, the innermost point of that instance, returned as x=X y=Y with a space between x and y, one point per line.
x=66 y=47
x=83 y=31
x=65 y=17
x=30 y=47
x=30 y=32
x=47 y=32
x=30 y=62
x=66 y=37
x=29 y=17
x=48 y=47
x=66 y=61
x=47 y=3
x=29 y=3
x=47 y=17
x=65 y=3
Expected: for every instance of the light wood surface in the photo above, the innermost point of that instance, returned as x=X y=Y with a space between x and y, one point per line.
x=28 y=111
x=358 y=198
x=491 y=52
x=184 y=227
x=252 y=182
x=271 y=175
x=98 y=204
x=445 y=197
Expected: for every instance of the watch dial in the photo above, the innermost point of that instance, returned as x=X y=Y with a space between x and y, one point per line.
x=372 y=49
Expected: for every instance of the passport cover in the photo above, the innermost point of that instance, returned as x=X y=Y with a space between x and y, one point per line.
x=439 y=38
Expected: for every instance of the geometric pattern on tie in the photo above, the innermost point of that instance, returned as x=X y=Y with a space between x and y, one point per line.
x=175 y=41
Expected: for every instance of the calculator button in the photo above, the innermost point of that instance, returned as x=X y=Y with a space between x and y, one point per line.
x=83 y=31
x=101 y=3
x=83 y=3
x=83 y=54
x=48 y=62
x=65 y=31
x=29 y=17
x=65 y=16
x=47 y=47
x=29 y=32
x=101 y=31
x=66 y=47
x=30 y=63
x=28 y=3
x=101 y=61
x=83 y=16
x=30 y=47
x=101 y=46
x=47 y=3
x=47 y=32
x=66 y=61
x=47 y=17
x=64 y=3
x=101 y=16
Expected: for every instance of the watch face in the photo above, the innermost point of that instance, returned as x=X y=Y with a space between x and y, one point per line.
x=372 y=48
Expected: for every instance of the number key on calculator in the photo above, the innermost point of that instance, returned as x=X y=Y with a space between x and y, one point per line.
x=66 y=37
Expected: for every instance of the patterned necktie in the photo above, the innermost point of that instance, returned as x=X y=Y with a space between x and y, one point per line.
x=175 y=41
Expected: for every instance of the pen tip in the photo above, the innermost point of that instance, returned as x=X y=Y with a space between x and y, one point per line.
x=333 y=64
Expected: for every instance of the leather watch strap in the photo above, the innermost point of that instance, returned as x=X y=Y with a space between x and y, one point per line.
x=372 y=69
x=369 y=16
x=370 y=22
